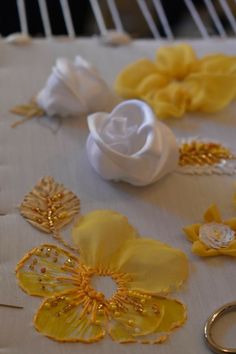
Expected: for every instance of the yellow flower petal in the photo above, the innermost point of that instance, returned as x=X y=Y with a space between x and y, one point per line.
x=99 y=235
x=39 y=272
x=176 y=61
x=148 y=263
x=230 y=250
x=132 y=324
x=171 y=101
x=61 y=318
x=211 y=92
x=217 y=64
x=192 y=232
x=201 y=250
x=174 y=315
x=129 y=78
x=119 y=333
x=152 y=83
x=231 y=223
x=212 y=214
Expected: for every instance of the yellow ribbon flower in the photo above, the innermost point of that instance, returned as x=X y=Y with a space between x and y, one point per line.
x=143 y=271
x=214 y=237
x=178 y=81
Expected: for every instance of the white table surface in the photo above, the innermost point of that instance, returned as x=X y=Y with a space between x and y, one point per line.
x=57 y=148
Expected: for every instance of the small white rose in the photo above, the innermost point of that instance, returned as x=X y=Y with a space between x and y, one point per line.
x=215 y=235
x=131 y=145
x=75 y=88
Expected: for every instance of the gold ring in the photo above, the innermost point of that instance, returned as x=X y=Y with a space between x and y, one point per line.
x=209 y=325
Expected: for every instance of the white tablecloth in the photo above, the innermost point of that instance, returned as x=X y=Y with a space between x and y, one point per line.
x=57 y=148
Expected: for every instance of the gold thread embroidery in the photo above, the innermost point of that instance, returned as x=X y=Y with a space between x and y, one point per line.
x=49 y=207
x=198 y=153
x=72 y=301
x=73 y=310
x=28 y=111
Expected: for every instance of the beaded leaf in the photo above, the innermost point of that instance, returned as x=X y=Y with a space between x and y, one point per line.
x=202 y=153
x=28 y=111
x=49 y=206
x=205 y=157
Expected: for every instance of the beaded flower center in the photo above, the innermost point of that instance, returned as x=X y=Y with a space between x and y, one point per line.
x=99 y=301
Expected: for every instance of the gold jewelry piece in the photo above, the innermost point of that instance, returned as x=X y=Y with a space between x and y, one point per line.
x=229 y=307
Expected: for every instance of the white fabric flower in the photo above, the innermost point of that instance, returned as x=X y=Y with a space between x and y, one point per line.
x=75 y=88
x=131 y=145
x=215 y=235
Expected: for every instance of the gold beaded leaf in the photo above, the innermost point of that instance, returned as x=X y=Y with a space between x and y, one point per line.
x=28 y=111
x=199 y=153
x=49 y=206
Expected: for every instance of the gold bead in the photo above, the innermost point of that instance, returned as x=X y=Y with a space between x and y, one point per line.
x=143 y=301
x=130 y=322
x=117 y=314
x=47 y=305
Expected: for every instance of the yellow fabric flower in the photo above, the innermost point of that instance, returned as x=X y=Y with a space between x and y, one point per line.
x=214 y=237
x=179 y=82
x=143 y=270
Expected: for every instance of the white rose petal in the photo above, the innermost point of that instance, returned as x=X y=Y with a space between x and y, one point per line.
x=131 y=145
x=74 y=89
x=216 y=235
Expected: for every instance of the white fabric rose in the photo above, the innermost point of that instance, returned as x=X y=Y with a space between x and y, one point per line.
x=131 y=145
x=75 y=88
x=215 y=235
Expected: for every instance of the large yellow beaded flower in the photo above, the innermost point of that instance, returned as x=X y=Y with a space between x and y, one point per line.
x=214 y=237
x=178 y=81
x=143 y=271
